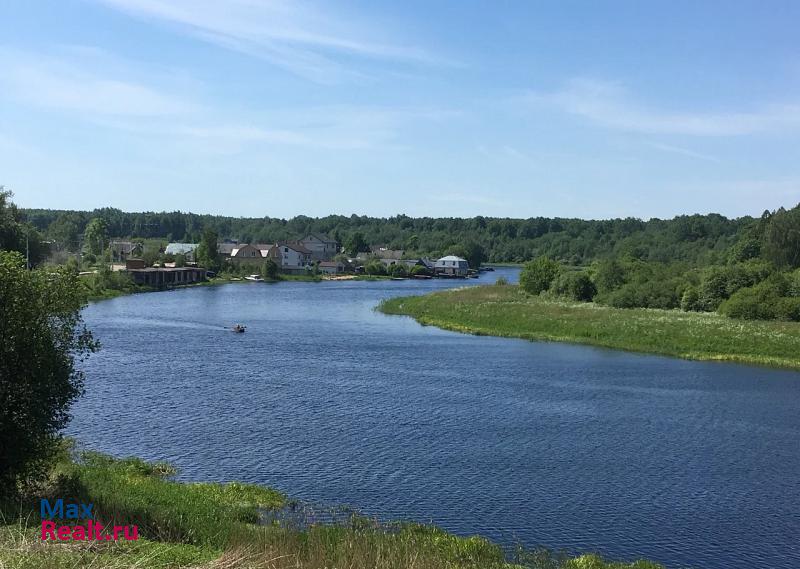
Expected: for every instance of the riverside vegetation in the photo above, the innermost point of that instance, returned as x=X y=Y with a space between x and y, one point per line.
x=211 y=525
x=506 y=310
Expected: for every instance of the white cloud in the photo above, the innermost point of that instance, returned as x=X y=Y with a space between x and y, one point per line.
x=57 y=83
x=94 y=86
x=291 y=34
x=609 y=104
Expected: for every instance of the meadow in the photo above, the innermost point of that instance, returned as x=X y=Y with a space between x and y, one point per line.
x=504 y=310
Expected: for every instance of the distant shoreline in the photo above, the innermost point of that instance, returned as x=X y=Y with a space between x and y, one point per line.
x=503 y=310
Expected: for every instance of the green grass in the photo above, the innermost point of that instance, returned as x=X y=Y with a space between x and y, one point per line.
x=504 y=311
x=210 y=525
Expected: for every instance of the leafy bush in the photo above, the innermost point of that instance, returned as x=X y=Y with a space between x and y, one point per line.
x=609 y=276
x=397 y=270
x=537 y=275
x=501 y=281
x=647 y=294
x=690 y=301
x=375 y=268
x=575 y=285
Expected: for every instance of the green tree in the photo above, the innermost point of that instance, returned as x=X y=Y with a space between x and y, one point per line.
x=180 y=260
x=43 y=335
x=782 y=238
x=609 y=275
x=537 y=275
x=269 y=270
x=95 y=237
x=375 y=267
x=397 y=270
x=206 y=252
x=574 y=285
x=355 y=244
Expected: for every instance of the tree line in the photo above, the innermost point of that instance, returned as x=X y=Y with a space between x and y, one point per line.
x=694 y=239
x=756 y=277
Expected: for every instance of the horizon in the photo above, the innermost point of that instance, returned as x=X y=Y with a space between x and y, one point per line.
x=401 y=214
x=303 y=108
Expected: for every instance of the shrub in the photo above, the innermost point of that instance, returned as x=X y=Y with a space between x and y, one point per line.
x=501 y=281
x=760 y=302
x=690 y=301
x=397 y=270
x=375 y=268
x=574 y=285
x=609 y=276
x=788 y=308
x=537 y=275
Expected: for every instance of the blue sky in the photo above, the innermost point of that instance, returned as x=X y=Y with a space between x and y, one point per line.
x=519 y=109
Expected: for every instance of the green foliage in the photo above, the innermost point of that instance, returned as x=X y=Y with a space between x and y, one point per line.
x=501 y=281
x=574 y=285
x=690 y=301
x=180 y=260
x=269 y=270
x=609 y=275
x=471 y=250
x=537 y=275
x=782 y=238
x=398 y=270
x=419 y=270
x=501 y=311
x=43 y=334
x=374 y=268
x=355 y=244
x=95 y=237
x=206 y=252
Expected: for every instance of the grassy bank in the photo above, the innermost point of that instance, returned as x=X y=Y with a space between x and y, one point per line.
x=504 y=311
x=209 y=525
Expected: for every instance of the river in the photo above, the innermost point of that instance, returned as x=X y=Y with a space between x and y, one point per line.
x=571 y=447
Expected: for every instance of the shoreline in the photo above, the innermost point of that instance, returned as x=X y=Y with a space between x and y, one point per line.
x=503 y=311
x=204 y=524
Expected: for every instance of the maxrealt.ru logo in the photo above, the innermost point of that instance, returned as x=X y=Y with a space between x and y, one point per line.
x=88 y=529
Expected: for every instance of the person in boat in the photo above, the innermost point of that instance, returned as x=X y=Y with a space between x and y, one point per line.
x=238 y=328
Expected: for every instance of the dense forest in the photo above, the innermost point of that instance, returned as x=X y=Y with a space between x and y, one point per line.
x=694 y=239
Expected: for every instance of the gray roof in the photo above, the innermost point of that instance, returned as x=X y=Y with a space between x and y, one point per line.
x=180 y=248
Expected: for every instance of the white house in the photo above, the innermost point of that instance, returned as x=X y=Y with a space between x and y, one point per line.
x=451 y=266
x=321 y=247
x=290 y=256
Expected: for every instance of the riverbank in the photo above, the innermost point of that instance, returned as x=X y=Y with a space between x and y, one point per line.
x=213 y=525
x=502 y=310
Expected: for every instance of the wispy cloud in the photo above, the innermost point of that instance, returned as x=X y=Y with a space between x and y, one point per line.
x=609 y=104
x=103 y=90
x=292 y=34
x=683 y=151
x=58 y=83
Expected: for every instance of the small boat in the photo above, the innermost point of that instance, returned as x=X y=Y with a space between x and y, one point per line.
x=255 y=278
x=239 y=329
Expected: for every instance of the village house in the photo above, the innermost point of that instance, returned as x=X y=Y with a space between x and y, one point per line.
x=322 y=247
x=185 y=249
x=248 y=253
x=331 y=267
x=290 y=257
x=451 y=266
x=122 y=250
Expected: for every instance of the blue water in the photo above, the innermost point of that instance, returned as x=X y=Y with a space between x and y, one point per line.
x=570 y=447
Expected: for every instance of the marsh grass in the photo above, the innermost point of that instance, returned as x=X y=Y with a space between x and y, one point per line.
x=213 y=526
x=505 y=311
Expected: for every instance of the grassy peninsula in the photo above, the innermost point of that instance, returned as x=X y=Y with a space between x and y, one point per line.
x=215 y=526
x=504 y=310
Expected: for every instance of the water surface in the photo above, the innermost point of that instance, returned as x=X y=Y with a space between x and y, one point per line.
x=688 y=463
